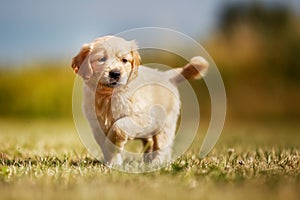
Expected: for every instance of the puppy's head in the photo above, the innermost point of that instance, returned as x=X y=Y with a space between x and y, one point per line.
x=110 y=60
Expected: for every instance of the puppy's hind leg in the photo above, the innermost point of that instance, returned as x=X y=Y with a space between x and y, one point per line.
x=162 y=148
x=148 y=149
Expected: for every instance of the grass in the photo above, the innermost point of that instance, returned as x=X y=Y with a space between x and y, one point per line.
x=44 y=159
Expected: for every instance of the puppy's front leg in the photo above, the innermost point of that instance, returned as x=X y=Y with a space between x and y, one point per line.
x=114 y=143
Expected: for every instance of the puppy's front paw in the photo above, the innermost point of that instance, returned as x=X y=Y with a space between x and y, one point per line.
x=115 y=161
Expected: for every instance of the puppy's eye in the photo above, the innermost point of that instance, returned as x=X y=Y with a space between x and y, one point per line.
x=103 y=59
x=124 y=60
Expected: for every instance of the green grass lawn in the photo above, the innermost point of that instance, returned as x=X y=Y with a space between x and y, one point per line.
x=44 y=159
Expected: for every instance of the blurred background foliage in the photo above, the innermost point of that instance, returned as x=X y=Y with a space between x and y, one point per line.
x=255 y=47
x=41 y=90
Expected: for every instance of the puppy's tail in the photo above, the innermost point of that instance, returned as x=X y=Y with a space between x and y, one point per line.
x=195 y=69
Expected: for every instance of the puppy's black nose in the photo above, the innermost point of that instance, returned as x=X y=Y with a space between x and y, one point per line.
x=115 y=74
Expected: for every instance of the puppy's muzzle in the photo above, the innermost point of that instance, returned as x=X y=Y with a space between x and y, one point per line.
x=115 y=75
x=114 y=78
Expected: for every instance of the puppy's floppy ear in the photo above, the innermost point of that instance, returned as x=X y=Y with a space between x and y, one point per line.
x=136 y=58
x=81 y=62
x=135 y=54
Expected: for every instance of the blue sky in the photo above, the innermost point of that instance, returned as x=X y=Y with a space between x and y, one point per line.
x=36 y=29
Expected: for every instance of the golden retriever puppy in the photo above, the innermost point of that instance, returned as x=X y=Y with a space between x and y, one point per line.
x=125 y=101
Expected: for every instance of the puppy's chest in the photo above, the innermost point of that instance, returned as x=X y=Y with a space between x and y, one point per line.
x=110 y=108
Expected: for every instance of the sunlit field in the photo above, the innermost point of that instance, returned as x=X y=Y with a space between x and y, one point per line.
x=44 y=159
x=255 y=46
x=41 y=155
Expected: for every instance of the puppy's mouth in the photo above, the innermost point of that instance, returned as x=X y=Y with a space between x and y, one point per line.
x=113 y=84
